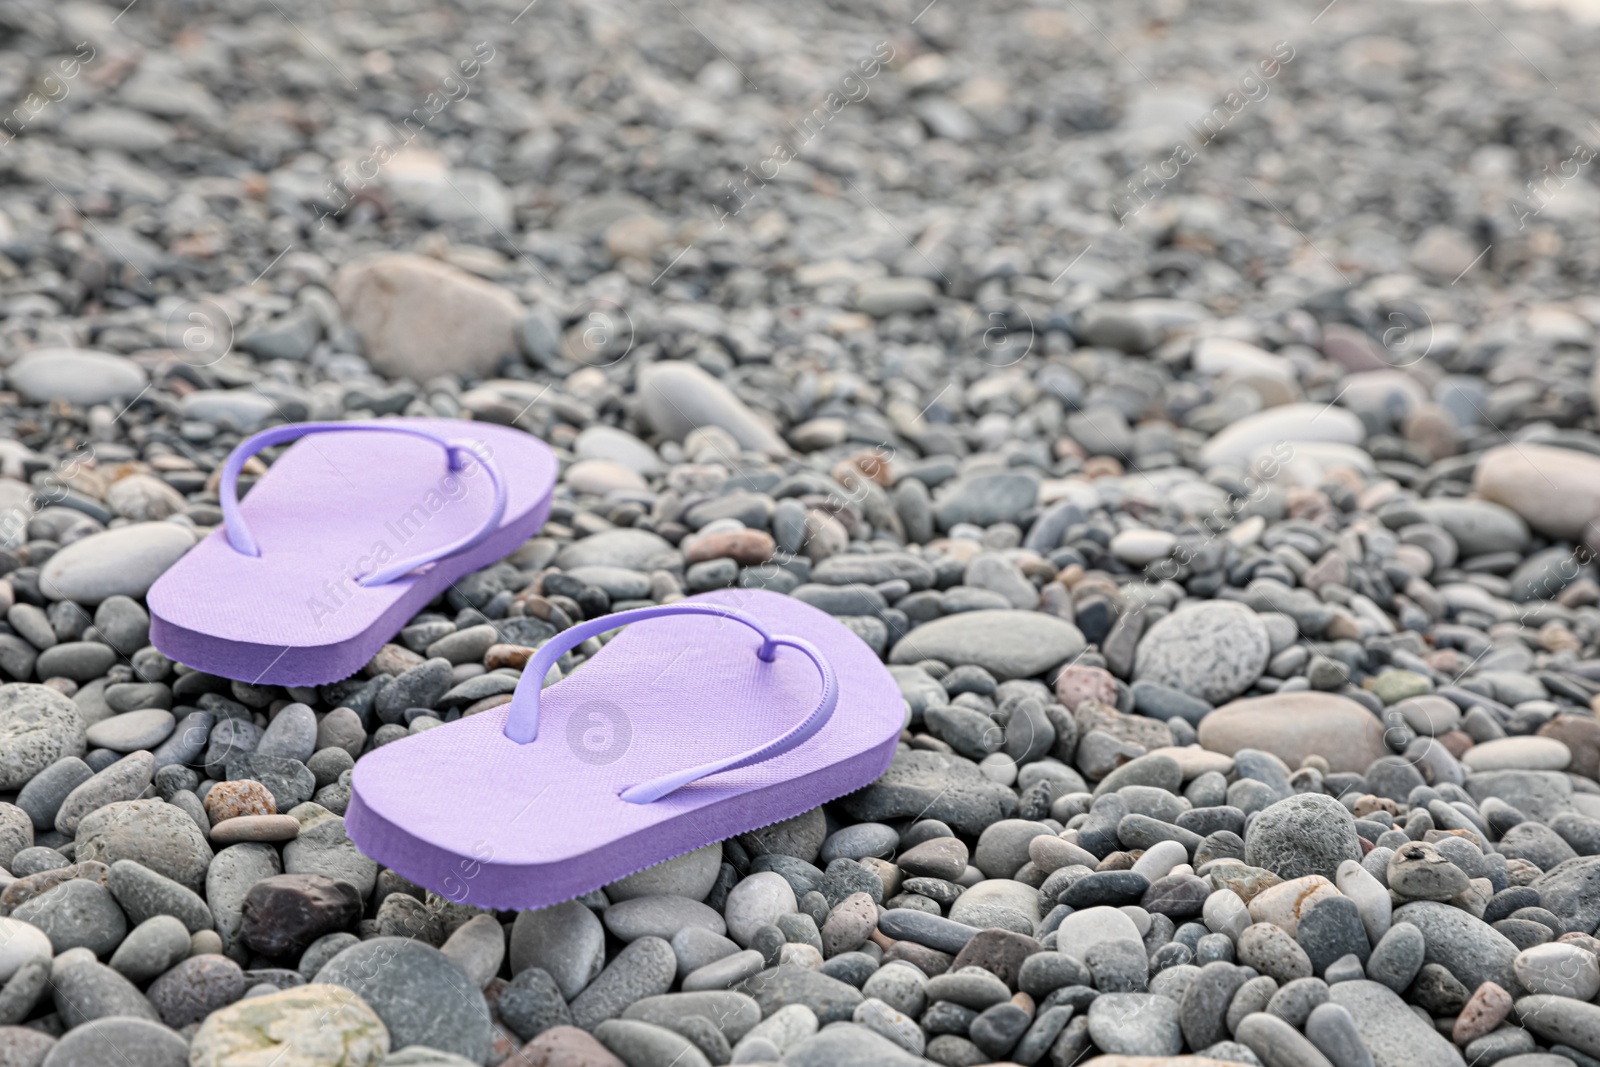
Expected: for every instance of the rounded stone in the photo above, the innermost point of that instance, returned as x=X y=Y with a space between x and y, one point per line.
x=859 y=842
x=1519 y=754
x=84 y=989
x=1003 y=846
x=132 y=731
x=1557 y=490
x=690 y=875
x=19 y=943
x=567 y=941
x=422 y=997
x=141 y=893
x=120 y=781
x=1306 y=834
x=565 y=1046
x=800 y=837
x=79 y=913
x=1082 y=930
x=755 y=902
x=195 y=988
x=678 y=397
x=1293 y=726
x=1331 y=930
x=125 y=561
x=1007 y=644
x=303 y=1026
x=644 y=968
x=151 y=948
x=1214 y=651
x=150 y=832
x=1287 y=423
x=1461 y=943
x=80 y=376
x=38 y=726
x=1272 y=951
x=116 y=1040
x=1387 y=1026
x=1135 y=1024
x=942 y=857
x=255 y=828
x=292 y=734
x=409 y=309
x=531 y=1004
x=1398 y=956
x=244 y=796
x=659 y=916
x=21 y=1046
x=1559 y=969
x=1417 y=871
x=998 y=902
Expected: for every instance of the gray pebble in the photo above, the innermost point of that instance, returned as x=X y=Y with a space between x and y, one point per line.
x=421 y=996
x=85 y=990
x=151 y=948
x=41 y=797
x=132 y=1042
x=566 y=940
x=643 y=968
x=79 y=913
x=532 y=1004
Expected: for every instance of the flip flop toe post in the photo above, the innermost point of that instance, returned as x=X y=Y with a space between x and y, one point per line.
x=701 y=720
x=353 y=530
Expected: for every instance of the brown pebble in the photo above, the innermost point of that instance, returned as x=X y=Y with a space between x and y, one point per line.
x=255 y=828
x=564 y=1046
x=25 y=889
x=392 y=659
x=1367 y=804
x=246 y=796
x=1581 y=734
x=1076 y=684
x=1000 y=952
x=1486 y=1009
x=875 y=465
x=486 y=703
x=515 y=656
x=1455 y=742
x=930 y=961
x=745 y=547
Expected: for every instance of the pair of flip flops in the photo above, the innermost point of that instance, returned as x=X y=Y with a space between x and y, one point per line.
x=703 y=719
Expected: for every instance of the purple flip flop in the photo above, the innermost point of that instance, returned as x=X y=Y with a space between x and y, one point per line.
x=348 y=535
x=707 y=718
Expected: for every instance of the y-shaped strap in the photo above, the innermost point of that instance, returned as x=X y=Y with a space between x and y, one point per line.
x=457 y=452
x=522 y=720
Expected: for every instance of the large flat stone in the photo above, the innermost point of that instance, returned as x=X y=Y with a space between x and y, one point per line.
x=1555 y=490
x=1007 y=644
x=1293 y=726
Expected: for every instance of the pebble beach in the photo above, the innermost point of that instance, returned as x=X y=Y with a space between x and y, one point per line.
x=1194 y=407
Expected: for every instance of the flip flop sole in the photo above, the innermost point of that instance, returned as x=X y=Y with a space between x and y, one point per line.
x=482 y=820
x=331 y=509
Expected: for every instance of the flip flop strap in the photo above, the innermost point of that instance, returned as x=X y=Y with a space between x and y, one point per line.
x=522 y=720
x=457 y=452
